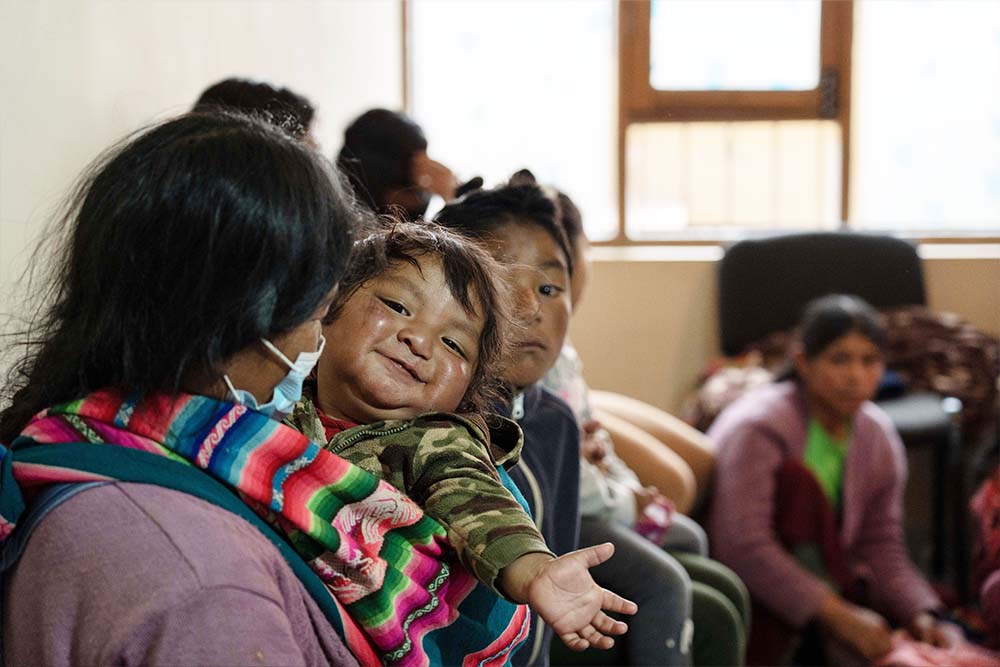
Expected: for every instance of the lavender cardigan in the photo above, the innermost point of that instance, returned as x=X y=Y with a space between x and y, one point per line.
x=754 y=436
x=130 y=574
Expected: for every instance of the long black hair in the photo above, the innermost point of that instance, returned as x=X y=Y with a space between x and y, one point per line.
x=828 y=318
x=182 y=246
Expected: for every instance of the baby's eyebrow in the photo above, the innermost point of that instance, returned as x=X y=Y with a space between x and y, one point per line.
x=407 y=284
x=466 y=327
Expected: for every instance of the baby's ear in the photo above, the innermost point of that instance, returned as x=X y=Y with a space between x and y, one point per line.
x=522 y=177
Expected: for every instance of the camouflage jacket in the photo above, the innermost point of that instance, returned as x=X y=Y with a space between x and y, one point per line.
x=447 y=463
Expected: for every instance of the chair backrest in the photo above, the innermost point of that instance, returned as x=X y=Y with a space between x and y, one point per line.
x=765 y=283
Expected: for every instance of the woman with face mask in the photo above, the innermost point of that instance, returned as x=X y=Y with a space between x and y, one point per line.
x=172 y=518
x=199 y=257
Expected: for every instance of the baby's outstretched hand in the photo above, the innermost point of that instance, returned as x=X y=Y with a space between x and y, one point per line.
x=567 y=598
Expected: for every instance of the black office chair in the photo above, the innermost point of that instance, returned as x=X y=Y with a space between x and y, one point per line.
x=764 y=284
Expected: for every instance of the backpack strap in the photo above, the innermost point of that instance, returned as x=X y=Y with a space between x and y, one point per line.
x=132 y=465
x=46 y=501
x=11 y=550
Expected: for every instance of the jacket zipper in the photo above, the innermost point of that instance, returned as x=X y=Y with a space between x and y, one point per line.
x=517 y=412
x=354 y=437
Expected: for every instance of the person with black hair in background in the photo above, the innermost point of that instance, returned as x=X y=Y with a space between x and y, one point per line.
x=807 y=503
x=282 y=107
x=385 y=157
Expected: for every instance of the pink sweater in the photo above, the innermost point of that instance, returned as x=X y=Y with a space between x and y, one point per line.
x=754 y=436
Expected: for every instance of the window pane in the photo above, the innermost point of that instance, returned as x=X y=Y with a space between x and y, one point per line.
x=926 y=116
x=734 y=44
x=500 y=85
x=695 y=180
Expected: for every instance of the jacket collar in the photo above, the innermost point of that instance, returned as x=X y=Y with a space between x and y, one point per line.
x=502 y=436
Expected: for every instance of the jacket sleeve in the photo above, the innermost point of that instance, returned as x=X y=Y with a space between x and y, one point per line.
x=897 y=586
x=454 y=479
x=741 y=527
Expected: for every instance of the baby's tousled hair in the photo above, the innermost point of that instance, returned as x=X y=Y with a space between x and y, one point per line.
x=474 y=279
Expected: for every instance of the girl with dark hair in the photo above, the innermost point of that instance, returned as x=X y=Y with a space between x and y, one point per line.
x=519 y=224
x=637 y=519
x=172 y=518
x=807 y=504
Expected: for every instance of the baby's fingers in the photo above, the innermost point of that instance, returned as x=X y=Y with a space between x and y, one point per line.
x=574 y=642
x=608 y=625
x=587 y=637
x=614 y=602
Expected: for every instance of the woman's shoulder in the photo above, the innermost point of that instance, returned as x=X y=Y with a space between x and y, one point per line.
x=776 y=408
x=874 y=427
x=121 y=557
x=872 y=416
x=182 y=542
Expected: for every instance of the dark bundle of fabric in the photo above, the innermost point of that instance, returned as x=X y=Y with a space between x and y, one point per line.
x=942 y=353
x=925 y=350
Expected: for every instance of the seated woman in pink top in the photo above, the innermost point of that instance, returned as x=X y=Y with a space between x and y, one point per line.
x=807 y=502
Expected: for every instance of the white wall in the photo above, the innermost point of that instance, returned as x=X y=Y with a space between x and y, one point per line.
x=76 y=75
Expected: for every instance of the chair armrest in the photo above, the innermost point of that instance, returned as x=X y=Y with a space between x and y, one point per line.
x=690 y=444
x=654 y=464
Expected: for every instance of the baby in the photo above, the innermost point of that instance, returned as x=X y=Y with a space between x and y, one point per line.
x=416 y=335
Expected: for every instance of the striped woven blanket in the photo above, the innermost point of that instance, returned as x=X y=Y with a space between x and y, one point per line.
x=401 y=596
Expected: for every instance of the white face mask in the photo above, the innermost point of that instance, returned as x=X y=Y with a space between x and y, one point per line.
x=287 y=392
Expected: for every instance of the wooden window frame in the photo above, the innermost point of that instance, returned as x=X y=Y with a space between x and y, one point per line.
x=639 y=102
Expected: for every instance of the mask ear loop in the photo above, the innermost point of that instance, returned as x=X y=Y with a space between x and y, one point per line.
x=288 y=362
x=232 y=389
x=322 y=345
x=281 y=355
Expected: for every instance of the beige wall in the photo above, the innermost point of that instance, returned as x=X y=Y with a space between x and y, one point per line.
x=648 y=325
